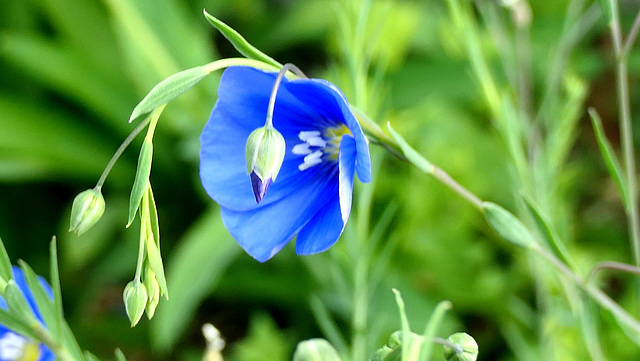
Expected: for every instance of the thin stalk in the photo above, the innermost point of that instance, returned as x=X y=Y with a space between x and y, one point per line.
x=446 y=179
x=120 y=150
x=596 y=294
x=44 y=337
x=626 y=131
x=272 y=99
x=633 y=33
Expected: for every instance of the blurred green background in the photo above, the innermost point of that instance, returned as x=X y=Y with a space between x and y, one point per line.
x=71 y=71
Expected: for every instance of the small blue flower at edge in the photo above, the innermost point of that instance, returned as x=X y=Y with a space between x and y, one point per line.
x=312 y=194
x=14 y=346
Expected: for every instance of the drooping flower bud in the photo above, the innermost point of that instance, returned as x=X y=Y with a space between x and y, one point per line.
x=265 y=153
x=135 y=300
x=466 y=348
x=87 y=209
x=315 y=349
x=153 y=291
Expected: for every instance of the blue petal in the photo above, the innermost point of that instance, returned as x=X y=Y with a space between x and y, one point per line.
x=326 y=226
x=242 y=107
x=329 y=101
x=263 y=231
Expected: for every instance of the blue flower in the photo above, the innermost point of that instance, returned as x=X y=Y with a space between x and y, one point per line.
x=311 y=196
x=14 y=346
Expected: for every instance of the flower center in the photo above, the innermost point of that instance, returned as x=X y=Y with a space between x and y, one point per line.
x=316 y=146
x=14 y=347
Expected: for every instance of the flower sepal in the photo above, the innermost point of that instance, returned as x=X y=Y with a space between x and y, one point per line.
x=265 y=152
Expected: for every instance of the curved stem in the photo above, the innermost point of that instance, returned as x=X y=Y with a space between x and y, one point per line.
x=612 y=266
x=272 y=100
x=120 y=150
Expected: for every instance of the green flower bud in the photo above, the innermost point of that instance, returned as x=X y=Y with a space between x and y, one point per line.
x=315 y=349
x=135 y=301
x=466 y=348
x=87 y=209
x=153 y=291
x=265 y=153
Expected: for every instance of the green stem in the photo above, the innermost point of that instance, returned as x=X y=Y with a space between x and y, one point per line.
x=609 y=265
x=633 y=33
x=140 y=255
x=43 y=335
x=119 y=152
x=596 y=294
x=626 y=131
x=274 y=91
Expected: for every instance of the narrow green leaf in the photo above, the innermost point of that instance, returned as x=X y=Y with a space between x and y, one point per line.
x=142 y=178
x=169 y=89
x=70 y=343
x=431 y=329
x=155 y=260
x=551 y=237
x=153 y=215
x=55 y=284
x=406 y=331
x=90 y=357
x=42 y=298
x=17 y=303
x=609 y=156
x=411 y=154
x=120 y=355
x=5 y=263
x=10 y=321
x=239 y=42
x=507 y=225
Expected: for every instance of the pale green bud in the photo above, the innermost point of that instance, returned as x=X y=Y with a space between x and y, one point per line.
x=87 y=209
x=315 y=349
x=153 y=291
x=135 y=301
x=466 y=348
x=265 y=153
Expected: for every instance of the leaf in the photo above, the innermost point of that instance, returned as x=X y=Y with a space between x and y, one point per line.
x=507 y=225
x=153 y=217
x=10 y=321
x=239 y=42
x=556 y=244
x=432 y=328
x=5 y=263
x=120 y=355
x=169 y=89
x=55 y=284
x=411 y=154
x=17 y=303
x=155 y=260
x=609 y=156
x=203 y=255
x=406 y=331
x=142 y=178
x=42 y=298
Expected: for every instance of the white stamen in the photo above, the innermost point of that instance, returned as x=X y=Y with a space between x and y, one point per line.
x=317 y=142
x=301 y=148
x=311 y=160
x=306 y=134
x=12 y=346
x=307 y=165
x=313 y=156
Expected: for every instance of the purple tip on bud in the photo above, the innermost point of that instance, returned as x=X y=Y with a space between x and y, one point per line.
x=259 y=187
